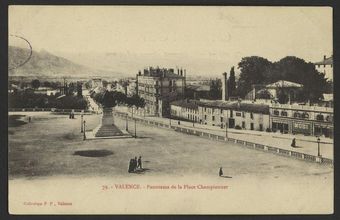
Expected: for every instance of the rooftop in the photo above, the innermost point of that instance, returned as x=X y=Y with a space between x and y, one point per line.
x=325 y=61
x=284 y=84
x=236 y=105
x=192 y=104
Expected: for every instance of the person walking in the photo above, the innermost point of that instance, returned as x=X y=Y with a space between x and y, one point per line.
x=293 y=143
x=130 y=170
x=139 y=164
x=220 y=173
x=135 y=164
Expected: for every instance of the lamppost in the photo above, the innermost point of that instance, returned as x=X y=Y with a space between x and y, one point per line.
x=84 y=137
x=318 y=140
x=226 y=130
x=170 y=117
x=135 y=129
x=126 y=122
x=81 y=124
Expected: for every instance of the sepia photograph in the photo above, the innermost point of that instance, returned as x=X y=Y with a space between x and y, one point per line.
x=170 y=110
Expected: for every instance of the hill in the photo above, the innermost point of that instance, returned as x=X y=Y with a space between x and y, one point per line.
x=43 y=64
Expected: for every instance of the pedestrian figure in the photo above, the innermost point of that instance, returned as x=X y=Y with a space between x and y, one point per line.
x=135 y=164
x=29 y=119
x=220 y=173
x=293 y=143
x=139 y=162
x=69 y=116
x=179 y=122
x=130 y=166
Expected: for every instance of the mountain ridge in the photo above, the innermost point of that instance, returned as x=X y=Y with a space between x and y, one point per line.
x=46 y=64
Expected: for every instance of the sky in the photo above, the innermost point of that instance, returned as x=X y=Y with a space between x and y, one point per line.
x=204 y=40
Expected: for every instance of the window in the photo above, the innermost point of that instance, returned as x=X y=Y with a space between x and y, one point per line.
x=221 y=119
x=205 y=109
x=297 y=115
x=251 y=115
x=305 y=115
x=221 y=111
x=231 y=113
x=238 y=114
x=261 y=127
x=205 y=117
x=276 y=112
x=213 y=118
x=319 y=117
x=243 y=115
x=243 y=124
x=284 y=113
x=329 y=118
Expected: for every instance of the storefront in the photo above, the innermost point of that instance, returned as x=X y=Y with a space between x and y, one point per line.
x=323 y=130
x=302 y=127
x=280 y=125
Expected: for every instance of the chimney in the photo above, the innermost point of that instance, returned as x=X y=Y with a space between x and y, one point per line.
x=225 y=95
x=324 y=57
x=139 y=73
x=177 y=71
x=181 y=72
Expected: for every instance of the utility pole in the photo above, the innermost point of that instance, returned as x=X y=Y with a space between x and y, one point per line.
x=126 y=122
x=318 y=140
x=135 y=130
x=84 y=137
x=81 y=124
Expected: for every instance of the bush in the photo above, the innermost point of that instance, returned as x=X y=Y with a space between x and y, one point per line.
x=268 y=130
x=238 y=127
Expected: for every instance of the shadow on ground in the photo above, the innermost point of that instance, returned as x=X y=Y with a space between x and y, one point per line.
x=141 y=171
x=93 y=153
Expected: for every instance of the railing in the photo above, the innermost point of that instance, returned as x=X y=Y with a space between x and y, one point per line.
x=54 y=110
x=261 y=147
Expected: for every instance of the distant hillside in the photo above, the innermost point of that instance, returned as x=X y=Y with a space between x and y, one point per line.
x=45 y=64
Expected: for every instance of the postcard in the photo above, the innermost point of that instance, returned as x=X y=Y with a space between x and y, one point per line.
x=170 y=110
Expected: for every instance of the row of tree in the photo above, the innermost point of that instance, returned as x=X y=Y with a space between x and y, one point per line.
x=259 y=70
x=112 y=98
x=29 y=99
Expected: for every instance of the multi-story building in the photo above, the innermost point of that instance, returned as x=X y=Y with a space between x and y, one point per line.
x=302 y=119
x=158 y=87
x=325 y=66
x=185 y=110
x=131 y=88
x=234 y=114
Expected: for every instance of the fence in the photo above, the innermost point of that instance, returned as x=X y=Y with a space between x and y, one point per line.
x=54 y=110
x=261 y=147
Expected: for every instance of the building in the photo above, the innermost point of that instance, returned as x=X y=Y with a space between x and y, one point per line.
x=197 y=91
x=185 y=110
x=234 y=114
x=326 y=66
x=96 y=82
x=160 y=86
x=282 y=90
x=302 y=119
x=131 y=87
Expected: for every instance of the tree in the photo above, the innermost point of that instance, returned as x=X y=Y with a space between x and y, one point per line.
x=231 y=82
x=215 y=89
x=297 y=70
x=79 y=89
x=136 y=101
x=252 y=71
x=35 y=84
